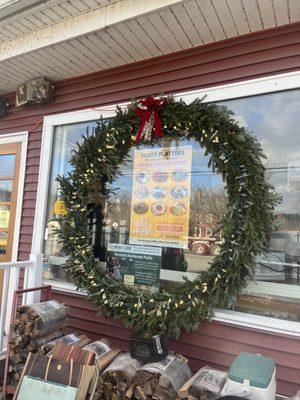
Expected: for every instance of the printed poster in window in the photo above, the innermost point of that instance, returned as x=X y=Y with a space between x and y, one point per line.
x=160 y=206
x=4 y=217
x=134 y=265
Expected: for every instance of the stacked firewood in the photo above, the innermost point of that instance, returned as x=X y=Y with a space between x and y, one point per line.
x=34 y=326
x=116 y=382
x=161 y=380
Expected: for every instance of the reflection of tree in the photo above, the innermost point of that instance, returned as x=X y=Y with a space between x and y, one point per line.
x=207 y=206
x=277 y=175
x=118 y=207
x=288 y=222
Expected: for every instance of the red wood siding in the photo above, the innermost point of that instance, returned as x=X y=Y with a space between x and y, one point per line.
x=254 y=55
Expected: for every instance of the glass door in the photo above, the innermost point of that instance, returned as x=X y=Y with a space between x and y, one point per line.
x=9 y=177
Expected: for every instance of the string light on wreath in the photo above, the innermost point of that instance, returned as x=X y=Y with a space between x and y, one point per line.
x=234 y=153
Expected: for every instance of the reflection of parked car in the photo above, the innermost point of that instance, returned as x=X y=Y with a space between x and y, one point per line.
x=288 y=241
x=200 y=247
x=206 y=246
x=284 y=247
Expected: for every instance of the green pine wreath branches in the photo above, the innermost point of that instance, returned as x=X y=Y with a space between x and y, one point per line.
x=234 y=153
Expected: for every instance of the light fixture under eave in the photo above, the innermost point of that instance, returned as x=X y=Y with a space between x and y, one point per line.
x=35 y=91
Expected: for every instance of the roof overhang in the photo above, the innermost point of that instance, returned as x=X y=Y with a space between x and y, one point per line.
x=81 y=25
x=61 y=39
x=12 y=7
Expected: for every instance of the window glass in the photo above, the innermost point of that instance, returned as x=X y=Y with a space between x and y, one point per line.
x=196 y=197
x=7 y=163
x=5 y=191
x=4 y=226
x=4 y=216
x=65 y=141
x=274 y=119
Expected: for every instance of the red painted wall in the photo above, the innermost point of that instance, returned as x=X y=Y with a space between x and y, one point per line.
x=254 y=55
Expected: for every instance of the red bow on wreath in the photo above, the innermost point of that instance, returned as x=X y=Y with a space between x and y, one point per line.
x=148 y=110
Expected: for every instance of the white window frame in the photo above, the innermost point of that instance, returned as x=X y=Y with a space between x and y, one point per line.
x=269 y=84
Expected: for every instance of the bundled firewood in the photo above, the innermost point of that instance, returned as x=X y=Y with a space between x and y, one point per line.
x=40 y=319
x=33 y=327
x=116 y=382
x=105 y=353
x=70 y=339
x=83 y=341
x=206 y=384
x=161 y=380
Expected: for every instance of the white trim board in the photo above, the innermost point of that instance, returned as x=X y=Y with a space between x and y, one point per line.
x=274 y=83
x=257 y=322
x=253 y=87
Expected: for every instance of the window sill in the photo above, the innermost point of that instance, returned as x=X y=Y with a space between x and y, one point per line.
x=258 y=322
x=251 y=321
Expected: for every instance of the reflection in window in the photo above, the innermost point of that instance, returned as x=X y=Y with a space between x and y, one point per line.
x=4 y=227
x=7 y=164
x=64 y=142
x=274 y=119
x=5 y=191
x=4 y=216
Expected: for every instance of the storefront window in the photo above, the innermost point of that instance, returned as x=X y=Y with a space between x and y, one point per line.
x=65 y=141
x=274 y=119
x=171 y=183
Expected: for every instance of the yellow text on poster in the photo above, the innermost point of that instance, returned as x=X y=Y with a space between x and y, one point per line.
x=160 y=207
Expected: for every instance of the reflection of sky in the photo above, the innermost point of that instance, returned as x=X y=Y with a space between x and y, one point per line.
x=7 y=163
x=275 y=120
x=65 y=139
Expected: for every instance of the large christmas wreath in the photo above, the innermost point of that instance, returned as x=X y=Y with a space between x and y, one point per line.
x=234 y=153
